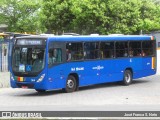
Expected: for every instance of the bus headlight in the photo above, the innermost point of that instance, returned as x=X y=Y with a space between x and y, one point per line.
x=41 y=78
x=11 y=76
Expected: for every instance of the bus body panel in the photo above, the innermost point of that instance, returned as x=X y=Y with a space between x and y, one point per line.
x=56 y=76
x=100 y=71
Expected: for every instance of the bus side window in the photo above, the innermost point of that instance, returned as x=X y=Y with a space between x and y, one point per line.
x=54 y=56
x=58 y=55
x=91 y=50
x=135 y=46
x=147 y=48
x=68 y=55
x=51 y=57
x=107 y=50
x=121 y=49
x=74 y=51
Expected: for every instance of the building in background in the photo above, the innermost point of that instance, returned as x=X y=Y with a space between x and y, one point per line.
x=157 y=35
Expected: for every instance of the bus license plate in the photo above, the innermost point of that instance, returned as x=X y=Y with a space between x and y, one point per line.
x=25 y=87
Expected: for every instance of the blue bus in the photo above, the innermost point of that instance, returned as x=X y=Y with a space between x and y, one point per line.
x=69 y=62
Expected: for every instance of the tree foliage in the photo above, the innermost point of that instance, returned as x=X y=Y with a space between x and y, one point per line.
x=19 y=15
x=101 y=16
x=81 y=16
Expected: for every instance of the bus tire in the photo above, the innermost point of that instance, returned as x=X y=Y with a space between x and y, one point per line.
x=71 y=84
x=127 y=78
x=40 y=91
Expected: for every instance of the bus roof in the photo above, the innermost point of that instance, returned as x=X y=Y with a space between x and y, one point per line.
x=86 y=38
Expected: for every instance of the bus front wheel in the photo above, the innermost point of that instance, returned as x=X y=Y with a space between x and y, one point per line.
x=71 y=84
x=127 y=78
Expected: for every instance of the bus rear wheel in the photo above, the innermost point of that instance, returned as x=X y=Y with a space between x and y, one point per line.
x=71 y=84
x=127 y=78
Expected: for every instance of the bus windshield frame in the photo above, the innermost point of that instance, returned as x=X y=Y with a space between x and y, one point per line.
x=28 y=57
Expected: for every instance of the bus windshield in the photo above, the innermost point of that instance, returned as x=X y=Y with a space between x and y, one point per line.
x=28 y=59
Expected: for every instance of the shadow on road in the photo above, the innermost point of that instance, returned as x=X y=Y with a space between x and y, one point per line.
x=81 y=89
x=112 y=84
x=35 y=93
x=140 y=81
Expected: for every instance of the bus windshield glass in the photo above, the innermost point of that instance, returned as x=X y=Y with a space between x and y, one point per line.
x=28 y=56
x=28 y=59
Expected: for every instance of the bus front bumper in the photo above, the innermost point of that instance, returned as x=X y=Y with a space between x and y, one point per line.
x=28 y=85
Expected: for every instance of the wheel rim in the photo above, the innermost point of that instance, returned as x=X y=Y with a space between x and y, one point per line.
x=70 y=84
x=127 y=77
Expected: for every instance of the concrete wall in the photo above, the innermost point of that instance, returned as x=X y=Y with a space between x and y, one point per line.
x=4 y=79
x=158 y=61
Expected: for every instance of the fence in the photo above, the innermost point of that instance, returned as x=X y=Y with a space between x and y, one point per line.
x=5 y=55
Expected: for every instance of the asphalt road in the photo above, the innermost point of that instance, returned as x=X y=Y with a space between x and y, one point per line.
x=142 y=95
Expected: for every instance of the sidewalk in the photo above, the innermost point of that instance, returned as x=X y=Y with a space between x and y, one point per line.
x=4 y=79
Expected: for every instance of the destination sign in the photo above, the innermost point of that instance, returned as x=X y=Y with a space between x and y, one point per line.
x=29 y=42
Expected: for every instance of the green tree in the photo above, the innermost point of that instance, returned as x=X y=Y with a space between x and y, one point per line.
x=56 y=15
x=123 y=16
x=81 y=16
x=92 y=16
x=150 y=16
x=20 y=15
x=73 y=15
